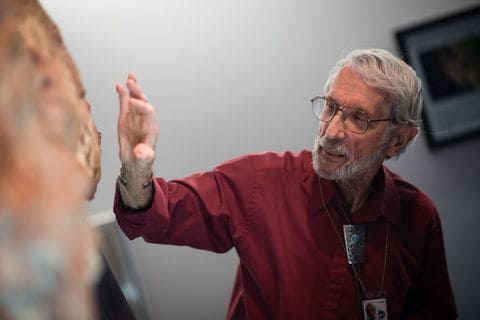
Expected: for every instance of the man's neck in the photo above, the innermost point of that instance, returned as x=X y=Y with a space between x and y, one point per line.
x=355 y=192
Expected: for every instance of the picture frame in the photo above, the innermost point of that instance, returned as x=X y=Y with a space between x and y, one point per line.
x=445 y=53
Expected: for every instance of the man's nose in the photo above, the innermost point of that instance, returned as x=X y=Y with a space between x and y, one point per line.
x=336 y=128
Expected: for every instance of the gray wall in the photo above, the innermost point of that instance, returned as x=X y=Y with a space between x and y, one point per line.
x=229 y=77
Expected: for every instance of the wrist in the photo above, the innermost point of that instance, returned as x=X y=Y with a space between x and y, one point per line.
x=136 y=188
x=129 y=180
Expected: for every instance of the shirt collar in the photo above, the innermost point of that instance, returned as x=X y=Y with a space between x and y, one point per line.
x=384 y=199
x=391 y=199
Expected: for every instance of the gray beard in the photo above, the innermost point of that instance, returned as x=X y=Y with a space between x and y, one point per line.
x=351 y=169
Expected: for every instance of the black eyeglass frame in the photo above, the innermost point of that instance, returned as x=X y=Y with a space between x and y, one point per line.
x=338 y=107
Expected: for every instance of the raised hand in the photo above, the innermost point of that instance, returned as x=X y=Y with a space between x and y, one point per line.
x=137 y=134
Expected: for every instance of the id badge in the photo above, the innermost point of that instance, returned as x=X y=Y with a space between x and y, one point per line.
x=375 y=309
x=354 y=242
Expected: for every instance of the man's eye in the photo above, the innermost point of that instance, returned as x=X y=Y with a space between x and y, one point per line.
x=330 y=106
x=359 y=115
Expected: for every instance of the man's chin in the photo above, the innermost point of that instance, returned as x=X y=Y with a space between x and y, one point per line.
x=338 y=173
x=322 y=172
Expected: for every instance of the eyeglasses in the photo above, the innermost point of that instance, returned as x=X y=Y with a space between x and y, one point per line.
x=355 y=120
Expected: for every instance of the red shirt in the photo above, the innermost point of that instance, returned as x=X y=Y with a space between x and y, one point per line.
x=292 y=263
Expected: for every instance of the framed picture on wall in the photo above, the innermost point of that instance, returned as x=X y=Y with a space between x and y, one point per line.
x=445 y=53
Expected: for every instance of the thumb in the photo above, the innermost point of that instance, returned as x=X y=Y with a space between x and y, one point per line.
x=143 y=155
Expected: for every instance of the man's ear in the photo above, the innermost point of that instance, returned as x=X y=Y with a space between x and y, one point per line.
x=401 y=138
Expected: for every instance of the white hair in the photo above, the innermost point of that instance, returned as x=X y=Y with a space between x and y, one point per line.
x=382 y=70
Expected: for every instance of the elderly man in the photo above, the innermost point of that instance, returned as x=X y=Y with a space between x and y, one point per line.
x=320 y=234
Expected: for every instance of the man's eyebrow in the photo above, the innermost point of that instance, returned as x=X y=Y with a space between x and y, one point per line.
x=359 y=107
x=331 y=99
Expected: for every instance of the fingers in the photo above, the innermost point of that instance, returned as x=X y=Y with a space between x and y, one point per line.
x=137 y=126
x=123 y=99
x=140 y=107
x=135 y=89
x=133 y=98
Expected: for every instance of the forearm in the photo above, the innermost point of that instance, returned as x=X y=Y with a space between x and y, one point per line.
x=182 y=212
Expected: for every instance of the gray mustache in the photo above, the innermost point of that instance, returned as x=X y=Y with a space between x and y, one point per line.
x=332 y=146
